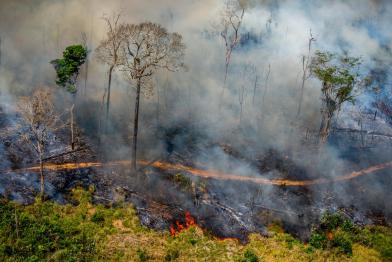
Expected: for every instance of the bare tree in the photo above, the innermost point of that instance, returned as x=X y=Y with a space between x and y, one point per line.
x=255 y=86
x=305 y=72
x=266 y=84
x=42 y=121
x=85 y=44
x=109 y=49
x=229 y=27
x=146 y=48
x=247 y=75
x=1 y=49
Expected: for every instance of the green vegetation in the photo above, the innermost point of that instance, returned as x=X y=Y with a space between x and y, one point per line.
x=46 y=231
x=67 y=68
x=338 y=233
x=339 y=75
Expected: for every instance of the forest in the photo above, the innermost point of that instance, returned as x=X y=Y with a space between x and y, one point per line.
x=225 y=130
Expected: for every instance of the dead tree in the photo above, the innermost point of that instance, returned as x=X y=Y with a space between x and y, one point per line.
x=241 y=99
x=41 y=121
x=85 y=44
x=147 y=47
x=108 y=51
x=247 y=74
x=255 y=86
x=305 y=72
x=229 y=28
x=1 y=54
x=266 y=84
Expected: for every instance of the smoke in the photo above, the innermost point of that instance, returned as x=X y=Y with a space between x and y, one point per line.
x=183 y=113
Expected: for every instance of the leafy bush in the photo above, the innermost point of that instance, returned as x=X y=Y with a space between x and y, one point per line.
x=249 y=256
x=343 y=243
x=172 y=255
x=37 y=231
x=318 y=240
x=143 y=256
x=183 y=181
x=331 y=221
x=98 y=217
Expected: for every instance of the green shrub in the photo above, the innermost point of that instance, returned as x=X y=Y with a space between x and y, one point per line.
x=379 y=238
x=98 y=217
x=172 y=255
x=343 y=243
x=331 y=221
x=183 y=181
x=318 y=240
x=143 y=256
x=249 y=256
x=38 y=231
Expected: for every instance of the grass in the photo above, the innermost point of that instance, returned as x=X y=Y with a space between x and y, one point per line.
x=46 y=231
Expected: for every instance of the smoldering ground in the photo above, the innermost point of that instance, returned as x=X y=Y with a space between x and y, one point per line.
x=183 y=117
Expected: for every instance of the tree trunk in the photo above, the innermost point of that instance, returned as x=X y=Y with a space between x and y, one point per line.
x=0 y=52
x=41 y=171
x=224 y=81
x=135 y=125
x=254 y=90
x=86 y=76
x=108 y=97
x=301 y=96
x=72 y=128
x=325 y=127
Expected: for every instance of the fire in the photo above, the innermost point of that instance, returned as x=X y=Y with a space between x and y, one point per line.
x=177 y=227
x=215 y=174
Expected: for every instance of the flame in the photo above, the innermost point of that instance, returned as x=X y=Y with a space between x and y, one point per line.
x=210 y=173
x=177 y=227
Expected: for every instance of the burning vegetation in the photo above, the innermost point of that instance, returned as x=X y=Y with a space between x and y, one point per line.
x=203 y=127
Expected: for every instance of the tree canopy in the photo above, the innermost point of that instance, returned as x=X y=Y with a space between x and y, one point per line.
x=67 y=68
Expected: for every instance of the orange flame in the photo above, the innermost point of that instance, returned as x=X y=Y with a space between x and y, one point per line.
x=211 y=173
x=178 y=227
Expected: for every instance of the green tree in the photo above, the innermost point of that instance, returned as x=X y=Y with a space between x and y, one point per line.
x=67 y=69
x=339 y=75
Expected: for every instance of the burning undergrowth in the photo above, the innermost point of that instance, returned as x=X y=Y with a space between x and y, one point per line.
x=224 y=190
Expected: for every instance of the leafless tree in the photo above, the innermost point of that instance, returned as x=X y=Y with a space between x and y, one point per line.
x=248 y=73
x=255 y=86
x=266 y=84
x=306 y=74
x=85 y=44
x=39 y=114
x=147 y=47
x=108 y=51
x=229 y=27
x=1 y=49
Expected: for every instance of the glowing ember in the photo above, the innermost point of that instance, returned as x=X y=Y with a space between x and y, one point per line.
x=178 y=227
x=210 y=173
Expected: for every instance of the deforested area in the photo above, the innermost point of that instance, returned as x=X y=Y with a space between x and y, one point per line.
x=224 y=130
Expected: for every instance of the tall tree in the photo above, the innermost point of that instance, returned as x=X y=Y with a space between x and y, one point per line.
x=229 y=28
x=147 y=47
x=1 y=49
x=339 y=75
x=67 y=69
x=42 y=121
x=305 y=72
x=108 y=51
x=86 y=67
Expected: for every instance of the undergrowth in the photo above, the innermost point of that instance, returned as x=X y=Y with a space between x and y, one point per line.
x=47 y=231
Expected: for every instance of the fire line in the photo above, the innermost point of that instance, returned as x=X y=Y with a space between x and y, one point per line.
x=215 y=174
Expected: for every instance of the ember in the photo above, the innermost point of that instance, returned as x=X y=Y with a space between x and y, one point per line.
x=178 y=227
x=212 y=173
